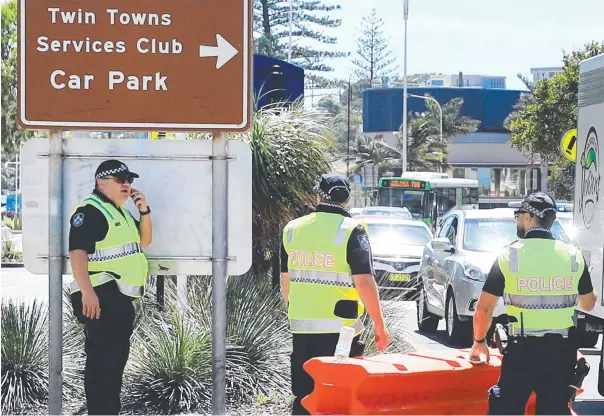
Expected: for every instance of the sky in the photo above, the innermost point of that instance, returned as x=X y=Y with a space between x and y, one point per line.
x=485 y=37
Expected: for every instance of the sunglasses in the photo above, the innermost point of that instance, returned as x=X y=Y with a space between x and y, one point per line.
x=121 y=180
x=520 y=211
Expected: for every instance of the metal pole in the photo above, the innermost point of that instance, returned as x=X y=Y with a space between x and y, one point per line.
x=439 y=108
x=159 y=295
x=219 y=271
x=55 y=272
x=348 y=134
x=291 y=21
x=404 y=155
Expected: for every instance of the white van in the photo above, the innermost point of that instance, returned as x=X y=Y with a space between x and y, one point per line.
x=589 y=193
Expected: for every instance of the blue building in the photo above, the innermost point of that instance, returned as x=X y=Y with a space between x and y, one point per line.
x=502 y=171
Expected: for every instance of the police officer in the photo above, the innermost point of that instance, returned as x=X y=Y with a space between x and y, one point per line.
x=327 y=281
x=541 y=280
x=110 y=270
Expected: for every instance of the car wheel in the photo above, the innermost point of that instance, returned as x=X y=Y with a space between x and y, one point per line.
x=458 y=332
x=426 y=321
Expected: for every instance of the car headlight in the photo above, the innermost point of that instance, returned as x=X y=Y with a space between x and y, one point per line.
x=474 y=273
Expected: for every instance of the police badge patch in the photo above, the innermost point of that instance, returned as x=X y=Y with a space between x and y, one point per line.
x=78 y=220
x=364 y=242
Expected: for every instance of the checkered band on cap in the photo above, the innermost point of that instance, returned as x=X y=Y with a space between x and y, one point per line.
x=104 y=173
x=535 y=211
x=327 y=195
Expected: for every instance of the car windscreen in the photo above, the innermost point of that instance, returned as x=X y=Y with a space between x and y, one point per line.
x=491 y=235
x=401 y=213
x=398 y=234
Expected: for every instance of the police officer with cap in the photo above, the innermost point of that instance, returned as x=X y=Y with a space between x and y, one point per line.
x=542 y=280
x=327 y=282
x=110 y=270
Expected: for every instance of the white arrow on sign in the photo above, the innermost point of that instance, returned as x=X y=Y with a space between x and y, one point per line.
x=223 y=52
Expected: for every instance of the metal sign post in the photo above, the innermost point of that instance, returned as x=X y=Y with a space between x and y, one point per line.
x=219 y=271
x=55 y=271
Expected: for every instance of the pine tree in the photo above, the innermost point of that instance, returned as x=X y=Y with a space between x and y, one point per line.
x=374 y=56
x=271 y=30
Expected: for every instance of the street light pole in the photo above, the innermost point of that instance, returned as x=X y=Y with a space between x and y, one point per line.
x=439 y=108
x=404 y=154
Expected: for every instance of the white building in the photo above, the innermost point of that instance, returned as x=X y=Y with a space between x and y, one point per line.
x=545 y=72
x=464 y=80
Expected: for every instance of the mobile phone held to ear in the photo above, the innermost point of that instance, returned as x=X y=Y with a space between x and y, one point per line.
x=132 y=196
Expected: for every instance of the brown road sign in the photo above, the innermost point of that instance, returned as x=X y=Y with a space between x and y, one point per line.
x=135 y=65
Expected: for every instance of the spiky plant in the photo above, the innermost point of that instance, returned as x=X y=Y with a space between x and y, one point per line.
x=170 y=365
x=393 y=319
x=74 y=356
x=24 y=355
x=258 y=338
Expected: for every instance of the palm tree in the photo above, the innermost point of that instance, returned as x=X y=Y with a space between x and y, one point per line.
x=370 y=150
x=425 y=150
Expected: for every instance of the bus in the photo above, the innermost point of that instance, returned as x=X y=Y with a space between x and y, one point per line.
x=428 y=195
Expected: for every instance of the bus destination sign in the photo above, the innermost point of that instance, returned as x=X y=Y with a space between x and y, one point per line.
x=404 y=183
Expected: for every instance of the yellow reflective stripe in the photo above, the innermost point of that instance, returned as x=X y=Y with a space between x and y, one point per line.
x=346 y=225
x=540 y=301
x=100 y=277
x=130 y=290
x=322 y=325
x=104 y=254
x=516 y=331
x=125 y=288
x=321 y=277
x=514 y=259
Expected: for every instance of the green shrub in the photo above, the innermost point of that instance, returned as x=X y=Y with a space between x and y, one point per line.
x=258 y=337
x=169 y=366
x=24 y=355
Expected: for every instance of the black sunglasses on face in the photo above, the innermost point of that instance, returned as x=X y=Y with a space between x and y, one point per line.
x=121 y=180
x=520 y=211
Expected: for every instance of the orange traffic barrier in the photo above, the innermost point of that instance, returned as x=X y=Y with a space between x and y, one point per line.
x=431 y=382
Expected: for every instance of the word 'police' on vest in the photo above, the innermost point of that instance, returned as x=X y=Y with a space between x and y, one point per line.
x=545 y=284
x=312 y=259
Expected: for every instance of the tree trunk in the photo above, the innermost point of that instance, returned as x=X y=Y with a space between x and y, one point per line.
x=544 y=175
x=266 y=24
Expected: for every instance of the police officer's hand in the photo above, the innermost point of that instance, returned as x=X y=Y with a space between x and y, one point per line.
x=479 y=350
x=139 y=199
x=382 y=338
x=90 y=305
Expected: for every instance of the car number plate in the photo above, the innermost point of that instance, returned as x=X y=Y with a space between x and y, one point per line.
x=400 y=277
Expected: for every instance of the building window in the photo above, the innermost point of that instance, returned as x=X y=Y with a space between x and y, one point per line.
x=459 y=173
x=437 y=82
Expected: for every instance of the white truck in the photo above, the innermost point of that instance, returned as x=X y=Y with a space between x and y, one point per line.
x=589 y=196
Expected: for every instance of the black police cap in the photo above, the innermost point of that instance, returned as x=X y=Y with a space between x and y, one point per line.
x=113 y=167
x=539 y=204
x=334 y=187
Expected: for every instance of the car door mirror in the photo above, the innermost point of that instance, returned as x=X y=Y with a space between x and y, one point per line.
x=442 y=244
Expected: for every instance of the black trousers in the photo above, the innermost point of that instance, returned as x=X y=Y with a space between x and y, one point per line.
x=542 y=365
x=107 y=348
x=305 y=347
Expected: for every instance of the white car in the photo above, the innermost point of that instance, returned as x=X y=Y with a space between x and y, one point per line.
x=396 y=246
